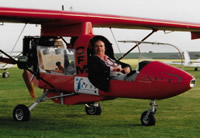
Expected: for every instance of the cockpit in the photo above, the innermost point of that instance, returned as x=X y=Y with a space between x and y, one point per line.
x=102 y=65
x=56 y=60
x=49 y=55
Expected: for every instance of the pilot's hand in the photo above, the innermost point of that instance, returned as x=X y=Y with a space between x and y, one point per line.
x=126 y=70
x=117 y=68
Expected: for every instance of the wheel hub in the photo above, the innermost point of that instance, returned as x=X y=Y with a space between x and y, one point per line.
x=19 y=114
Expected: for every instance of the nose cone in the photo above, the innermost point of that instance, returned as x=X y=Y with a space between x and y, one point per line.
x=192 y=83
x=165 y=80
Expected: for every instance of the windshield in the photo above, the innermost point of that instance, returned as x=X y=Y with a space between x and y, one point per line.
x=154 y=51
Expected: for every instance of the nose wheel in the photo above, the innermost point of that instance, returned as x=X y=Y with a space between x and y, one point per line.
x=93 y=109
x=148 y=117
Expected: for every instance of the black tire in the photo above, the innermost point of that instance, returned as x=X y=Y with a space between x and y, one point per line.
x=93 y=110
x=5 y=75
x=21 y=113
x=149 y=121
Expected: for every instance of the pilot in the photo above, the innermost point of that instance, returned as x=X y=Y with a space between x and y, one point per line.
x=105 y=67
x=58 y=43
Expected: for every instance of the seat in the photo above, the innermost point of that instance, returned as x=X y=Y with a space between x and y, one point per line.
x=109 y=50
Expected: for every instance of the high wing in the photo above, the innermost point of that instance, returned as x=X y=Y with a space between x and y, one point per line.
x=52 y=17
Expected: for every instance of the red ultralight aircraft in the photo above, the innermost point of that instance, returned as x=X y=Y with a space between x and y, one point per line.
x=70 y=85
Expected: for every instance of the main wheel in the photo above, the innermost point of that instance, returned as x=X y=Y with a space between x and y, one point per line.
x=148 y=120
x=21 y=113
x=5 y=75
x=93 y=110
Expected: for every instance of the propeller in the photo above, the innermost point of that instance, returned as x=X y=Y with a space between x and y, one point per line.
x=28 y=83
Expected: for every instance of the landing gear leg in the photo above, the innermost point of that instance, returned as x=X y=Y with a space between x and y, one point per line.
x=22 y=112
x=148 y=117
x=93 y=109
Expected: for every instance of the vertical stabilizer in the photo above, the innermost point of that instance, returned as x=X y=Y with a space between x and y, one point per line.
x=187 y=58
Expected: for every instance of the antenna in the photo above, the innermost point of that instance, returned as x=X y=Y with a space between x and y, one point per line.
x=63 y=7
x=71 y=8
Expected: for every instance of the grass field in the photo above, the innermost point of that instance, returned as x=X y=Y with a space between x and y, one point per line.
x=176 y=117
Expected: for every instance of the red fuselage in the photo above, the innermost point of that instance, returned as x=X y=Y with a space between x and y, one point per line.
x=155 y=81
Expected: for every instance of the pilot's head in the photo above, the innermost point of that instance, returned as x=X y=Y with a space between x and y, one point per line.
x=99 y=48
x=108 y=46
x=58 y=43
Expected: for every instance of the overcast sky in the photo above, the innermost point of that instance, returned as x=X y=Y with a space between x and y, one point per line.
x=178 y=10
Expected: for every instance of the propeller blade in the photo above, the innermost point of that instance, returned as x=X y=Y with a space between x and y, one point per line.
x=7 y=60
x=29 y=84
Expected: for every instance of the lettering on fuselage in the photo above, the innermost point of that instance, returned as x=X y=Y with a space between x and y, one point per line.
x=179 y=78
x=168 y=77
x=80 y=51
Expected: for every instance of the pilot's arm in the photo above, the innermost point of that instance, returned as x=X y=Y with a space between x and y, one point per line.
x=125 y=68
x=60 y=68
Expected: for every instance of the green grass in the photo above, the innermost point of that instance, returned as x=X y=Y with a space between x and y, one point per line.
x=176 y=117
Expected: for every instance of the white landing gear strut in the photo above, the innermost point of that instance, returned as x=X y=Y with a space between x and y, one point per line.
x=148 y=117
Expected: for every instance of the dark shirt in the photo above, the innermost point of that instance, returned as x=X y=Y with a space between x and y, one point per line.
x=99 y=72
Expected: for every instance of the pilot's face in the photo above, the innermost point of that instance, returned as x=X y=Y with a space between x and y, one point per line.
x=99 y=48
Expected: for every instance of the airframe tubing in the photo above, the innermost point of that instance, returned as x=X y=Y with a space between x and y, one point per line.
x=137 y=45
x=157 y=43
x=8 y=56
x=42 y=98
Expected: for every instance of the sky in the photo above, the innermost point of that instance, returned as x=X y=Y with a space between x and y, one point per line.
x=177 y=10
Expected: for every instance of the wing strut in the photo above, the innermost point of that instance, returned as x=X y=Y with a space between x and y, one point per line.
x=115 y=41
x=18 y=38
x=136 y=45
